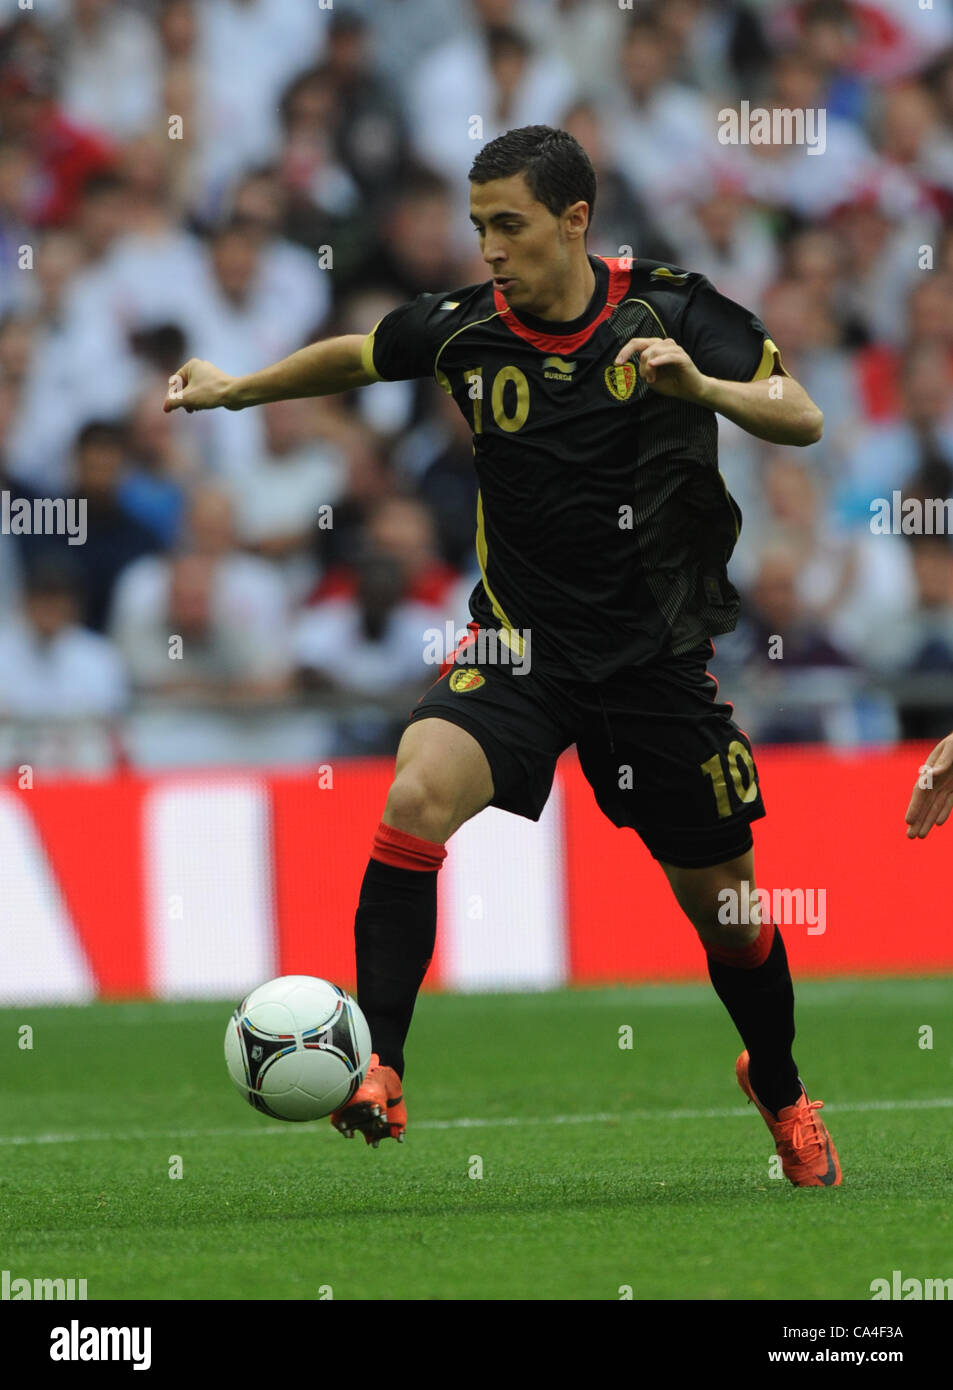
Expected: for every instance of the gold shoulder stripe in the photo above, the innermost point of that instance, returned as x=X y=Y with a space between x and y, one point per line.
x=651 y=311
x=367 y=354
x=463 y=329
x=766 y=366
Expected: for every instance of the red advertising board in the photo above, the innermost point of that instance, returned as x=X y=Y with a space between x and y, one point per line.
x=197 y=884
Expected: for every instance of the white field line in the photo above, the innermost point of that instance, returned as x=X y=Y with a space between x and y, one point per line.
x=859 y=1107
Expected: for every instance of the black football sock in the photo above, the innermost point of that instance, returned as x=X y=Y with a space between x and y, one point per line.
x=759 y=997
x=395 y=928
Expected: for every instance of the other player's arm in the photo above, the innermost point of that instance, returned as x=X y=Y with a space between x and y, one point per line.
x=320 y=369
x=785 y=416
x=932 y=799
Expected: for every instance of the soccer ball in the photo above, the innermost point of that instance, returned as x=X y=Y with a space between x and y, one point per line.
x=297 y=1047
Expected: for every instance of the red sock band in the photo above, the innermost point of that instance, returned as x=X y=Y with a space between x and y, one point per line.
x=404 y=851
x=746 y=957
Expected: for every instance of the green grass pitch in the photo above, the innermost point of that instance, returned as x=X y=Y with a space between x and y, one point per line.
x=602 y=1167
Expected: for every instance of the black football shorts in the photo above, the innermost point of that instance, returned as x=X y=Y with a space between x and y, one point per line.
x=661 y=754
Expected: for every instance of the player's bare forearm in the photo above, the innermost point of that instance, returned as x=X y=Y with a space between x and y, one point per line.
x=777 y=409
x=320 y=369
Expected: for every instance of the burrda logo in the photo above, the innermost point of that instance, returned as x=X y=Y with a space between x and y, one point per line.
x=558 y=369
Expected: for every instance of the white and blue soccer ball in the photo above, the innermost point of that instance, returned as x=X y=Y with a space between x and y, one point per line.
x=297 y=1047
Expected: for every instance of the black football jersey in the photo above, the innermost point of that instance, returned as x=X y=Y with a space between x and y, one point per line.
x=604 y=526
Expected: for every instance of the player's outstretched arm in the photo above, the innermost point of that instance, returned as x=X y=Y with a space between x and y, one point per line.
x=932 y=799
x=320 y=369
x=785 y=416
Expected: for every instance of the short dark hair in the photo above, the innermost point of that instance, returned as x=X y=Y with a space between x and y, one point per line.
x=418 y=180
x=162 y=346
x=506 y=38
x=103 y=182
x=101 y=434
x=557 y=169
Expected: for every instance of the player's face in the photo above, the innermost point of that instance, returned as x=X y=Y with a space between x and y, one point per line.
x=528 y=249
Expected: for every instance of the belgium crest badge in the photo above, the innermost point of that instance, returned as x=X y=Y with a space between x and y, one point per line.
x=621 y=380
x=463 y=680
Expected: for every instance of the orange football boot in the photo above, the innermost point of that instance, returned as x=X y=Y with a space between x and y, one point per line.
x=376 y=1108
x=808 y=1156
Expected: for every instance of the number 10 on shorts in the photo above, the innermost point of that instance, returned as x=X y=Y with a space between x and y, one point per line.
x=744 y=783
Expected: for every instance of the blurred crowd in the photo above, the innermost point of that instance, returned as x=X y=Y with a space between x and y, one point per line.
x=231 y=179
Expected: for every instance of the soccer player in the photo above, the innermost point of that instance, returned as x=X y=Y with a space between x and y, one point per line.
x=603 y=531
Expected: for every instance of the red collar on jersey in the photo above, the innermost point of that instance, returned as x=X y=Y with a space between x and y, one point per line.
x=620 y=273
